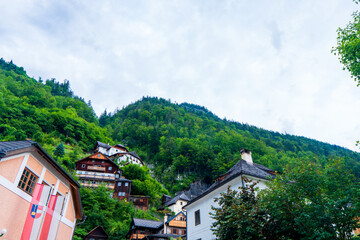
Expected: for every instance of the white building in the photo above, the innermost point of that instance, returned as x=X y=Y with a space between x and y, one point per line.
x=177 y=203
x=198 y=209
x=118 y=153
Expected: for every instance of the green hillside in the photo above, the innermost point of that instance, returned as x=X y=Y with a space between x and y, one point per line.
x=189 y=141
x=180 y=143
x=47 y=112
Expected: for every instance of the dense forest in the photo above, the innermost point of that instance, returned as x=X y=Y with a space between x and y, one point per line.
x=180 y=143
x=185 y=142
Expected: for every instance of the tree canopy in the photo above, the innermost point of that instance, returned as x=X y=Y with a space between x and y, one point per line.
x=307 y=201
x=348 y=46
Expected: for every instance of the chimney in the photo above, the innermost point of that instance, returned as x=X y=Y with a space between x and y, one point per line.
x=246 y=155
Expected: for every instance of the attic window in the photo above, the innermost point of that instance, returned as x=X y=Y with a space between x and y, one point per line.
x=27 y=181
x=98 y=155
x=83 y=165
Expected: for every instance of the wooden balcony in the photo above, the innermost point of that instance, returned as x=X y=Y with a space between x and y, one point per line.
x=136 y=236
x=95 y=175
x=175 y=223
x=94 y=185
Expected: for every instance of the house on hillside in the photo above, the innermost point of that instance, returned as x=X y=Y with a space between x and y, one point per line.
x=140 y=228
x=198 y=219
x=97 y=233
x=175 y=225
x=175 y=204
x=118 y=153
x=39 y=199
x=148 y=229
x=140 y=202
x=98 y=169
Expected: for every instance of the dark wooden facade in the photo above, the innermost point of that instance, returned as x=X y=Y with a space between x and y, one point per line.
x=122 y=189
x=140 y=202
x=141 y=228
x=97 y=233
x=98 y=169
x=97 y=162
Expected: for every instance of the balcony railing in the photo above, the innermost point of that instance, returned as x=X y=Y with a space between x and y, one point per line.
x=94 y=185
x=95 y=175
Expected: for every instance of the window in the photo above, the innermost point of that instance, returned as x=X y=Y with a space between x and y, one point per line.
x=110 y=168
x=174 y=231
x=126 y=184
x=119 y=184
x=181 y=203
x=102 y=161
x=197 y=217
x=27 y=181
x=83 y=165
x=93 y=161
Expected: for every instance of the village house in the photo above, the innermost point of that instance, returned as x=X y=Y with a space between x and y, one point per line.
x=174 y=204
x=39 y=199
x=140 y=202
x=175 y=224
x=198 y=218
x=98 y=233
x=97 y=169
x=118 y=153
x=140 y=228
x=148 y=229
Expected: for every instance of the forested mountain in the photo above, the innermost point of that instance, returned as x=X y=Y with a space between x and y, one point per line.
x=186 y=142
x=47 y=112
x=180 y=143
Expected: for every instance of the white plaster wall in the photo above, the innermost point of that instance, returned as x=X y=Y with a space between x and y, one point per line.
x=177 y=207
x=202 y=231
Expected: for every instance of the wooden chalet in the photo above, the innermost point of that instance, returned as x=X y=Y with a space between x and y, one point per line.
x=98 y=169
x=97 y=233
x=141 y=228
x=140 y=202
x=176 y=224
x=122 y=188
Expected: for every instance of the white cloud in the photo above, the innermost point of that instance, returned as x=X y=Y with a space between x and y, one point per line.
x=261 y=62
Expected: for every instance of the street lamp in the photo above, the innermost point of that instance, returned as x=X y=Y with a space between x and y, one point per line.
x=3 y=231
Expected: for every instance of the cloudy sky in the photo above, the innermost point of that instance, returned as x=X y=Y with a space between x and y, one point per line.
x=266 y=63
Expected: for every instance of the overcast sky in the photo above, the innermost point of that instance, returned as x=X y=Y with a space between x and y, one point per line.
x=265 y=63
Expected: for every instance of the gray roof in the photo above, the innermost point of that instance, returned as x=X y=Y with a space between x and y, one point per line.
x=159 y=235
x=120 y=145
x=9 y=146
x=171 y=218
x=123 y=180
x=138 y=222
x=135 y=154
x=107 y=146
x=241 y=168
x=172 y=201
x=15 y=145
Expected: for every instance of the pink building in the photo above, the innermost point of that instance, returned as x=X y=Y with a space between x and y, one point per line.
x=39 y=199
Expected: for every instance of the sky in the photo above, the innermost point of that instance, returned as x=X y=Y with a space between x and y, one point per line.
x=265 y=63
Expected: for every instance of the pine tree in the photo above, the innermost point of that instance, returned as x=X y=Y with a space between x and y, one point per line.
x=59 y=150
